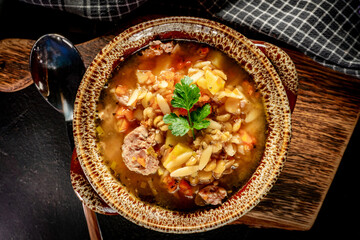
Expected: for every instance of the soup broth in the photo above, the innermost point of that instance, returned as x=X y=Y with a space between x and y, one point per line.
x=202 y=168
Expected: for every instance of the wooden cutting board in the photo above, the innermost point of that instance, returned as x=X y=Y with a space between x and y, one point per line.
x=326 y=112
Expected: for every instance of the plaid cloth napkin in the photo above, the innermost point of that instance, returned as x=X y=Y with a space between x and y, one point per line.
x=104 y=10
x=326 y=30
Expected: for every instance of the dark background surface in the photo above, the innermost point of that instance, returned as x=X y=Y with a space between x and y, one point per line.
x=36 y=196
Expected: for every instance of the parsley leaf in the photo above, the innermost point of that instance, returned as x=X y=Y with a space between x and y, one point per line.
x=179 y=126
x=198 y=116
x=185 y=96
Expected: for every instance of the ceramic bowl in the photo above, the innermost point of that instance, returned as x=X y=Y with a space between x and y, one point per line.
x=236 y=46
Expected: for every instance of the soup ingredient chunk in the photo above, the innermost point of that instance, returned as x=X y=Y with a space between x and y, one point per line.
x=211 y=195
x=135 y=151
x=157 y=48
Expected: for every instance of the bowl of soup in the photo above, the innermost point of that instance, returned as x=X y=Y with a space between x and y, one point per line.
x=181 y=124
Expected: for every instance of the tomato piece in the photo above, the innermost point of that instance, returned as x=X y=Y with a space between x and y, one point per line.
x=203 y=51
x=180 y=65
x=183 y=112
x=185 y=188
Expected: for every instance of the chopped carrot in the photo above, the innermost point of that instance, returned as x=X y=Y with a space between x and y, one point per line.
x=178 y=77
x=150 y=75
x=141 y=161
x=167 y=75
x=120 y=90
x=171 y=184
x=204 y=98
x=185 y=188
x=188 y=63
x=247 y=138
x=129 y=115
x=125 y=112
x=177 y=111
x=123 y=125
x=251 y=90
x=171 y=84
x=168 y=98
x=245 y=84
x=120 y=112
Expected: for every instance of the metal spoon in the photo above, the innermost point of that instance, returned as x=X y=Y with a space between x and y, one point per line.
x=57 y=69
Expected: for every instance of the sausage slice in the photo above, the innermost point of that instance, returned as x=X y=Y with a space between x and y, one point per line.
x=135 y=151
x=210 y=195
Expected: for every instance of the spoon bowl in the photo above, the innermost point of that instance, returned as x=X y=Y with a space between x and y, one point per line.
x=57 y=69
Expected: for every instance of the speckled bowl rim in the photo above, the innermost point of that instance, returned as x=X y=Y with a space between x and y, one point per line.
x=234 y=45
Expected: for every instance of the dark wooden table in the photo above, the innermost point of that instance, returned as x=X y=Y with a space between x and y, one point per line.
x=36 y=193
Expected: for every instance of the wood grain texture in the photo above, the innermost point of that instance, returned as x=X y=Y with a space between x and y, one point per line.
x=92 y=223
x=325 y=115
x=14 y=60
x=14 y=67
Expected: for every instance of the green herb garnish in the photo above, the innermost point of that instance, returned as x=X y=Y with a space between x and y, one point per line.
x=185 y=96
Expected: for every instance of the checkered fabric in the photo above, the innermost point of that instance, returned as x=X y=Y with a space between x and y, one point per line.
x=326 y=30
x=104 y=10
